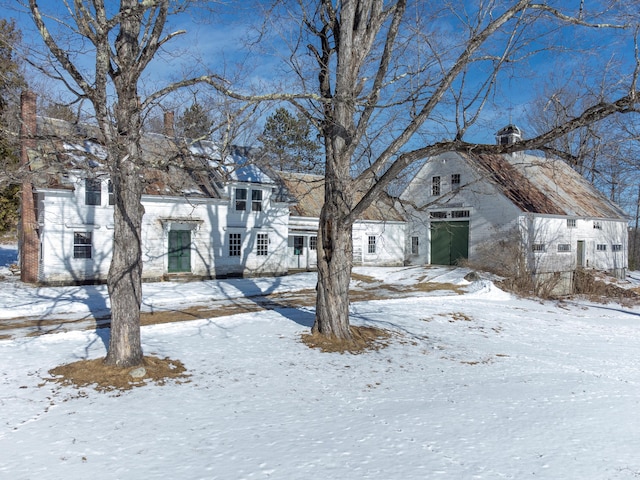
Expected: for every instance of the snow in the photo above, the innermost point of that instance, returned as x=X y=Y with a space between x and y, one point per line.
x=481 y=385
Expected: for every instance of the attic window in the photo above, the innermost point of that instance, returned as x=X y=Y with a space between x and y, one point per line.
x=455 y=181
x=92 y=191
x=435 y=186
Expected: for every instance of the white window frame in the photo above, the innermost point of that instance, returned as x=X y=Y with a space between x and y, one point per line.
x=571 y=223
x=92 y=191
x=256 y=200
x=240 y=201
x=371 y=244
x=564 y=247
x=435 y=185
x=82 y=242
x=235 y=244
x=415 y=245
x=455 y=181
x=538 y=248
x=262 y=244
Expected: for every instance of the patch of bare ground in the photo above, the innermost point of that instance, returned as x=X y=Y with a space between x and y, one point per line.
x=96 y=374
x=363 y=339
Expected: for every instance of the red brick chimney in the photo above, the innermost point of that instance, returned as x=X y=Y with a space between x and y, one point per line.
x=29 y=243
x=169 y=129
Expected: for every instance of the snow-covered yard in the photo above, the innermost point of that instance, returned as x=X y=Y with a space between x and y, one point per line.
x=475 y=386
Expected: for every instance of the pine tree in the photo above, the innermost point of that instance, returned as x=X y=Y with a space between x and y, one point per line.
x=287 y=145
x=11 y=80
x=195 y=122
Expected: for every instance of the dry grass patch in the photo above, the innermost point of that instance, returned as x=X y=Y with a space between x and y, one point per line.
x=363 y=339
x=96 y=374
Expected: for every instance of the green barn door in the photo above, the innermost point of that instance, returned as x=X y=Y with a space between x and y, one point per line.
x=449 y=242
x=179 y=251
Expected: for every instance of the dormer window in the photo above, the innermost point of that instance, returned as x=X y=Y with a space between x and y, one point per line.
x=256 y=200
x=92 y=191
x=241 y=199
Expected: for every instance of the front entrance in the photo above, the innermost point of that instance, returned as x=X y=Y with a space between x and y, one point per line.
x=179 y=251
x=449 y=242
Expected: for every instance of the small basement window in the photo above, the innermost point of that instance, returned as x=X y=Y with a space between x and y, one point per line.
x=564 y=247
x=538 y=248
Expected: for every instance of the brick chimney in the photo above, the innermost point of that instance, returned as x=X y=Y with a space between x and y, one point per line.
x=29 y=243
x=169 y=129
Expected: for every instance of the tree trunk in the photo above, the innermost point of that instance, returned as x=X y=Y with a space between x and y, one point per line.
x=125 y=273
x=335 y=260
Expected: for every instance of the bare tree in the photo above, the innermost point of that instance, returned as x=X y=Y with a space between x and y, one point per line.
x=395 y=89
x=123 y=41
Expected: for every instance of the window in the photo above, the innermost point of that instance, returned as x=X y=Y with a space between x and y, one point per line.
x=414 y=246
x=263 y=244
x=81 y=244
x=571 y=223
x=435 y=186
x=92 y=193
x=235 y=244
x=616 y=247
x=112 y=198
x=564 y=247
x=455 y=181
x=438 y=214
x=597 y=225
x=601 y=247
x=256 y=200
x=241 y=199
x=538 y=248
x=460 y=214
x=313 y=243
x=371 y=245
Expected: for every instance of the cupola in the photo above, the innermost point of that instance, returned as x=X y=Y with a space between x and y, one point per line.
x=508 y=135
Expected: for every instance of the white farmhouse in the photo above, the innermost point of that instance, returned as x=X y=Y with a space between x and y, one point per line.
x=378 y=235
x=207 y=215
x=204 y=217
x=461 y=204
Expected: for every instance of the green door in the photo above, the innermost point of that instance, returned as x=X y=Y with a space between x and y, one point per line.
x=179 y=251
x=449 y=242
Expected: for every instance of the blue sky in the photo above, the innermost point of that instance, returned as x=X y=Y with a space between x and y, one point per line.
x=216 y=43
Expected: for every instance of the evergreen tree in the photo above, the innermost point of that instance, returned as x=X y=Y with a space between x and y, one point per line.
x=11 y=81
x=195 y=123
x=287 y=145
